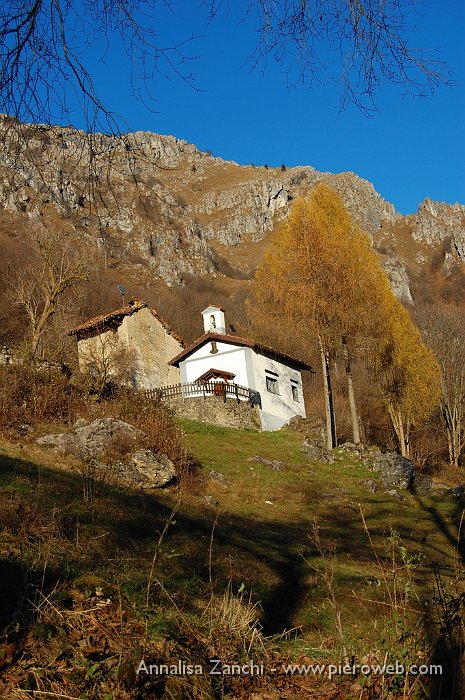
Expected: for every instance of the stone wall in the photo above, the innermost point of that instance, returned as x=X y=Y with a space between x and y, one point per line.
x=136 y=353
x=216 y=411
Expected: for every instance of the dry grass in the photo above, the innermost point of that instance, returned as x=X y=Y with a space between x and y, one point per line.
x=63 y=558
x=31 y=395
x=233 y=626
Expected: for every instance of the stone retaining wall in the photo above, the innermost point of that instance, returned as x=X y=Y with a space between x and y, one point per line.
x=216 y=411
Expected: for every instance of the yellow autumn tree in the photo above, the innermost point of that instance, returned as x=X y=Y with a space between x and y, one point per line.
x=310 y=281
x=321 y=277
x=408 y=372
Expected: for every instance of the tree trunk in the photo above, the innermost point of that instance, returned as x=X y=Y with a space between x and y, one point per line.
x=47 y=312
x=450 y=445
x=455 y=440
x=401 y=434
x=398 y=424
x=350 y=390
x=328 y=394
x=406 y=433
x=453 y=423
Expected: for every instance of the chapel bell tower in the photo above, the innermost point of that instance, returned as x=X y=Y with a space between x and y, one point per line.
x=213 y=319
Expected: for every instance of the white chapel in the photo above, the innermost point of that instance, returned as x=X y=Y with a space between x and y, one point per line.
x=222 y=357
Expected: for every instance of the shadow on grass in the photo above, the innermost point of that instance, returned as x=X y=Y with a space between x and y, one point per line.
x=116 y=537
x=449 y=528
x=446 y=628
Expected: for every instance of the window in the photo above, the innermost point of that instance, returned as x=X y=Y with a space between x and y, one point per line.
x=212 y=322
x=272 y=381
x=272 y=385
x=295 y=390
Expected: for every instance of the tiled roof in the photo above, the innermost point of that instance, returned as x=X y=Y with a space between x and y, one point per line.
x=213 y=374
x=243 y=342
x=99 y=322
x=168 y=328
x=213 y=306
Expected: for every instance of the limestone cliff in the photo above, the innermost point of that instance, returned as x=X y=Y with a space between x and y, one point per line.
x=160 y=205
x=435 y=222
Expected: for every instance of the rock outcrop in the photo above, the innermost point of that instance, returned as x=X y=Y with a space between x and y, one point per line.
x=316 y=452
x=436 y=221
x=161 y=205
x=396 y=270
x=90 y=441
x=153 y=470
x=395 y=471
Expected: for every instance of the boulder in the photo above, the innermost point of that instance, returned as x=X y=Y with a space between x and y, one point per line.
x=217 y=476
x=352 y=448
x=211 y=501
x=274 y=464
x=364 y=452
x=314 y=451
x=312 y=427
x=421 y=483
x=80 y=423
x=370 y=485
x=155 y=469
x=88 y=441
x=92 y=438
x=396 y=471
x=458 y=491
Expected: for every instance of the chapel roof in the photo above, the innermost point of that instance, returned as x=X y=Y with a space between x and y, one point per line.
x=215 y=374
x=213 y=306
x=242 y=342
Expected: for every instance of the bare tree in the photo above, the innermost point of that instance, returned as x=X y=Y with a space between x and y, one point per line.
x=443 y=330
x=363 y=44
x=105 y=360
x=43 y=73
x=43 y=43
x=40 y=286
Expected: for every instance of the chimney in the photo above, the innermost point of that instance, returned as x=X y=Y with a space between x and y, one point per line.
x=213 y=319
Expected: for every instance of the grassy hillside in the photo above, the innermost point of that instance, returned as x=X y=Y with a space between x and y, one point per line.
x=270 y=565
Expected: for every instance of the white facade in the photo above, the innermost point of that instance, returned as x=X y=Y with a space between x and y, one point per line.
x=278 y=383
x=270 y=375
x=230 y=358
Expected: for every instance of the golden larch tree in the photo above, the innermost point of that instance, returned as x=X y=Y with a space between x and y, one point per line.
x=310 y=281
x=321 y=278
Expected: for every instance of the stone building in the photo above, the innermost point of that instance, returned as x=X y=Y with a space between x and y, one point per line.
x=132 y=345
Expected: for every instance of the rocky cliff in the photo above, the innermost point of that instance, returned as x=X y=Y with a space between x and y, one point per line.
x=160 y=205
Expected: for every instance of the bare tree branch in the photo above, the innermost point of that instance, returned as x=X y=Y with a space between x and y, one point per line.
x=443 y=331
x=43 y=74
x=363 y=44
x=39 y=287
x=43 y=44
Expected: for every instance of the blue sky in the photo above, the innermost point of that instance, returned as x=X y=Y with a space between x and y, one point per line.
x=411 y=149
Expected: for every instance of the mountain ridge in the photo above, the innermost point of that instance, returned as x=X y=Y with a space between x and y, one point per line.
x=158 y=204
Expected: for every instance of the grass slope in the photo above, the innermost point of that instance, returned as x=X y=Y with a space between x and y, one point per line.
x=63 y=559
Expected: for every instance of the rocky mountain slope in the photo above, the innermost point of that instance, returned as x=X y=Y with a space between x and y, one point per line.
x=158 y=205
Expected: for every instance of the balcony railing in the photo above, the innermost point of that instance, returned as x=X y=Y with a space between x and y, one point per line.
x=203 y=389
